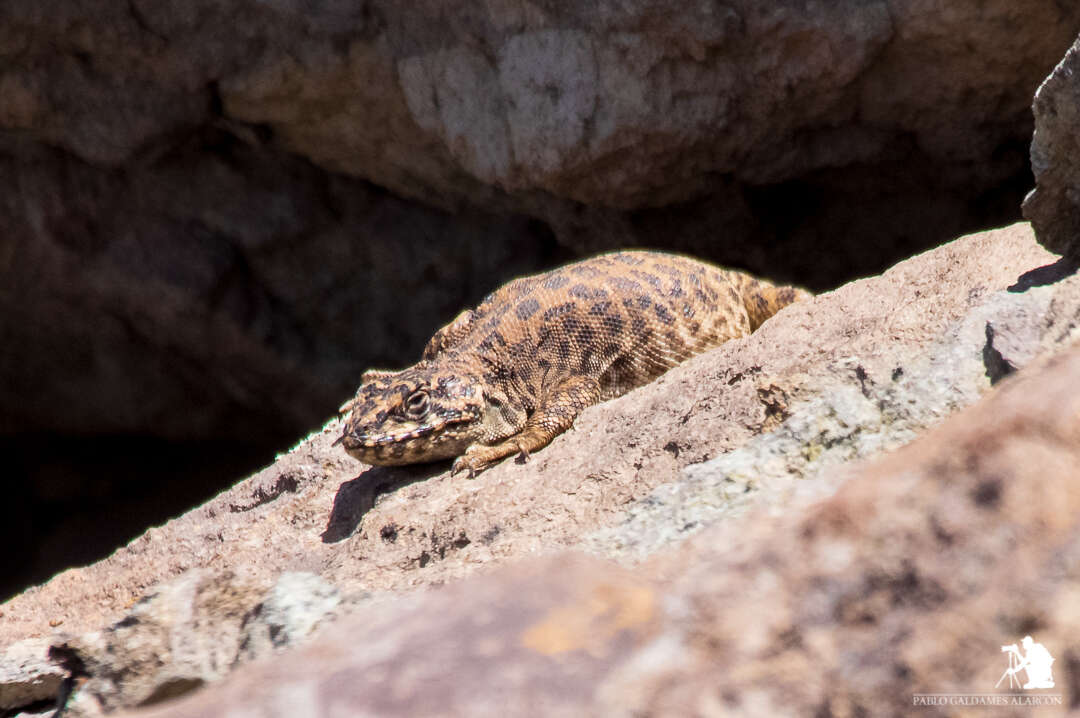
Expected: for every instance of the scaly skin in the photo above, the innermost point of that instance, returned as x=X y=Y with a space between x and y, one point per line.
x=509 y=376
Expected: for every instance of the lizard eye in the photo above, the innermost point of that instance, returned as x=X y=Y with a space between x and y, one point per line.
x=416 y=406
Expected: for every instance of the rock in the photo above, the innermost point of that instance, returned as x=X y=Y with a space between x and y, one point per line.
x=874 y=400
x=844 y=377
x=182 y=635
x=1053 y=207
x=163 y=295
x=365 y=529
x=216 y=217
x=28 y=677
x=908 y=580
x=188 y=632
x=294 y=607
x=626 y=107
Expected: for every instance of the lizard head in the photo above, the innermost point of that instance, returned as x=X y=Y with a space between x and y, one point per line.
x=412 y=416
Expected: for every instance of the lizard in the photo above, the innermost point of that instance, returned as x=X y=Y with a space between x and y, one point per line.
x=510 y=375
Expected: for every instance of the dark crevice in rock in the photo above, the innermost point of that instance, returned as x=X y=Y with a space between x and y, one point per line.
x=997 y=366
x=285 y=484
x=70 y=501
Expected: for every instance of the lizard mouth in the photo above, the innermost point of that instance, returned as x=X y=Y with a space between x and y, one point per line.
x=427 y=442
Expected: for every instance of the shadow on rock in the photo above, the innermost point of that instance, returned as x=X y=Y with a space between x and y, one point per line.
x=356 y=497
x=1048 y=274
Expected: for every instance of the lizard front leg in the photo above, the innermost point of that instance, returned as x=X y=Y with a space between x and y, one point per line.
x=554 y=415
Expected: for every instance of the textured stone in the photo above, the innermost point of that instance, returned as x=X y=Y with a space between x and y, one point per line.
x=375 y=533
x=627 y=105
x=860 y=406
x=294 y=607
x=28 y=677
x=174 y=266
x=908 y=580
x=216 y=216
x=184 y=634
x=1054 y=205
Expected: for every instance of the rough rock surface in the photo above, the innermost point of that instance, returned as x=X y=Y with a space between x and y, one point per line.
x=189 y=632
x=216 y=215
x=908 y=580
x=626 y=105
x=188 y=249
x=848 y=375
x=28 y=678
x=1054 y=205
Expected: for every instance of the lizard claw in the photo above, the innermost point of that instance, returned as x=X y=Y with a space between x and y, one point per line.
x=460 y=464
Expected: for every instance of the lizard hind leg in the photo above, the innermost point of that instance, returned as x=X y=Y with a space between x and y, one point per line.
x=555 y=414
x=762 y=299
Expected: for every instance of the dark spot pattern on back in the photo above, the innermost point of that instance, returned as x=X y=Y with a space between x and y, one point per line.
x=527 y=308
x=492 y=341
x=576 y=330
x=600 y=308
x=521 y=348
x=583 y=291
x=557 y=311
x=663 y=314
x=612 y=324
x=625 y=285
x=555 y=281
x=587 y=360
x=648 y=278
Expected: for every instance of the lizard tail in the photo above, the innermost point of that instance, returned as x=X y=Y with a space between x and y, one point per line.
x=762 y=299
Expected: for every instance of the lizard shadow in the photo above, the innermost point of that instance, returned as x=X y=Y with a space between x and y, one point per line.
x=357 y=496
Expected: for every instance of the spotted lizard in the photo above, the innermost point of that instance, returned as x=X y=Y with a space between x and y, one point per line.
x=512 y=374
